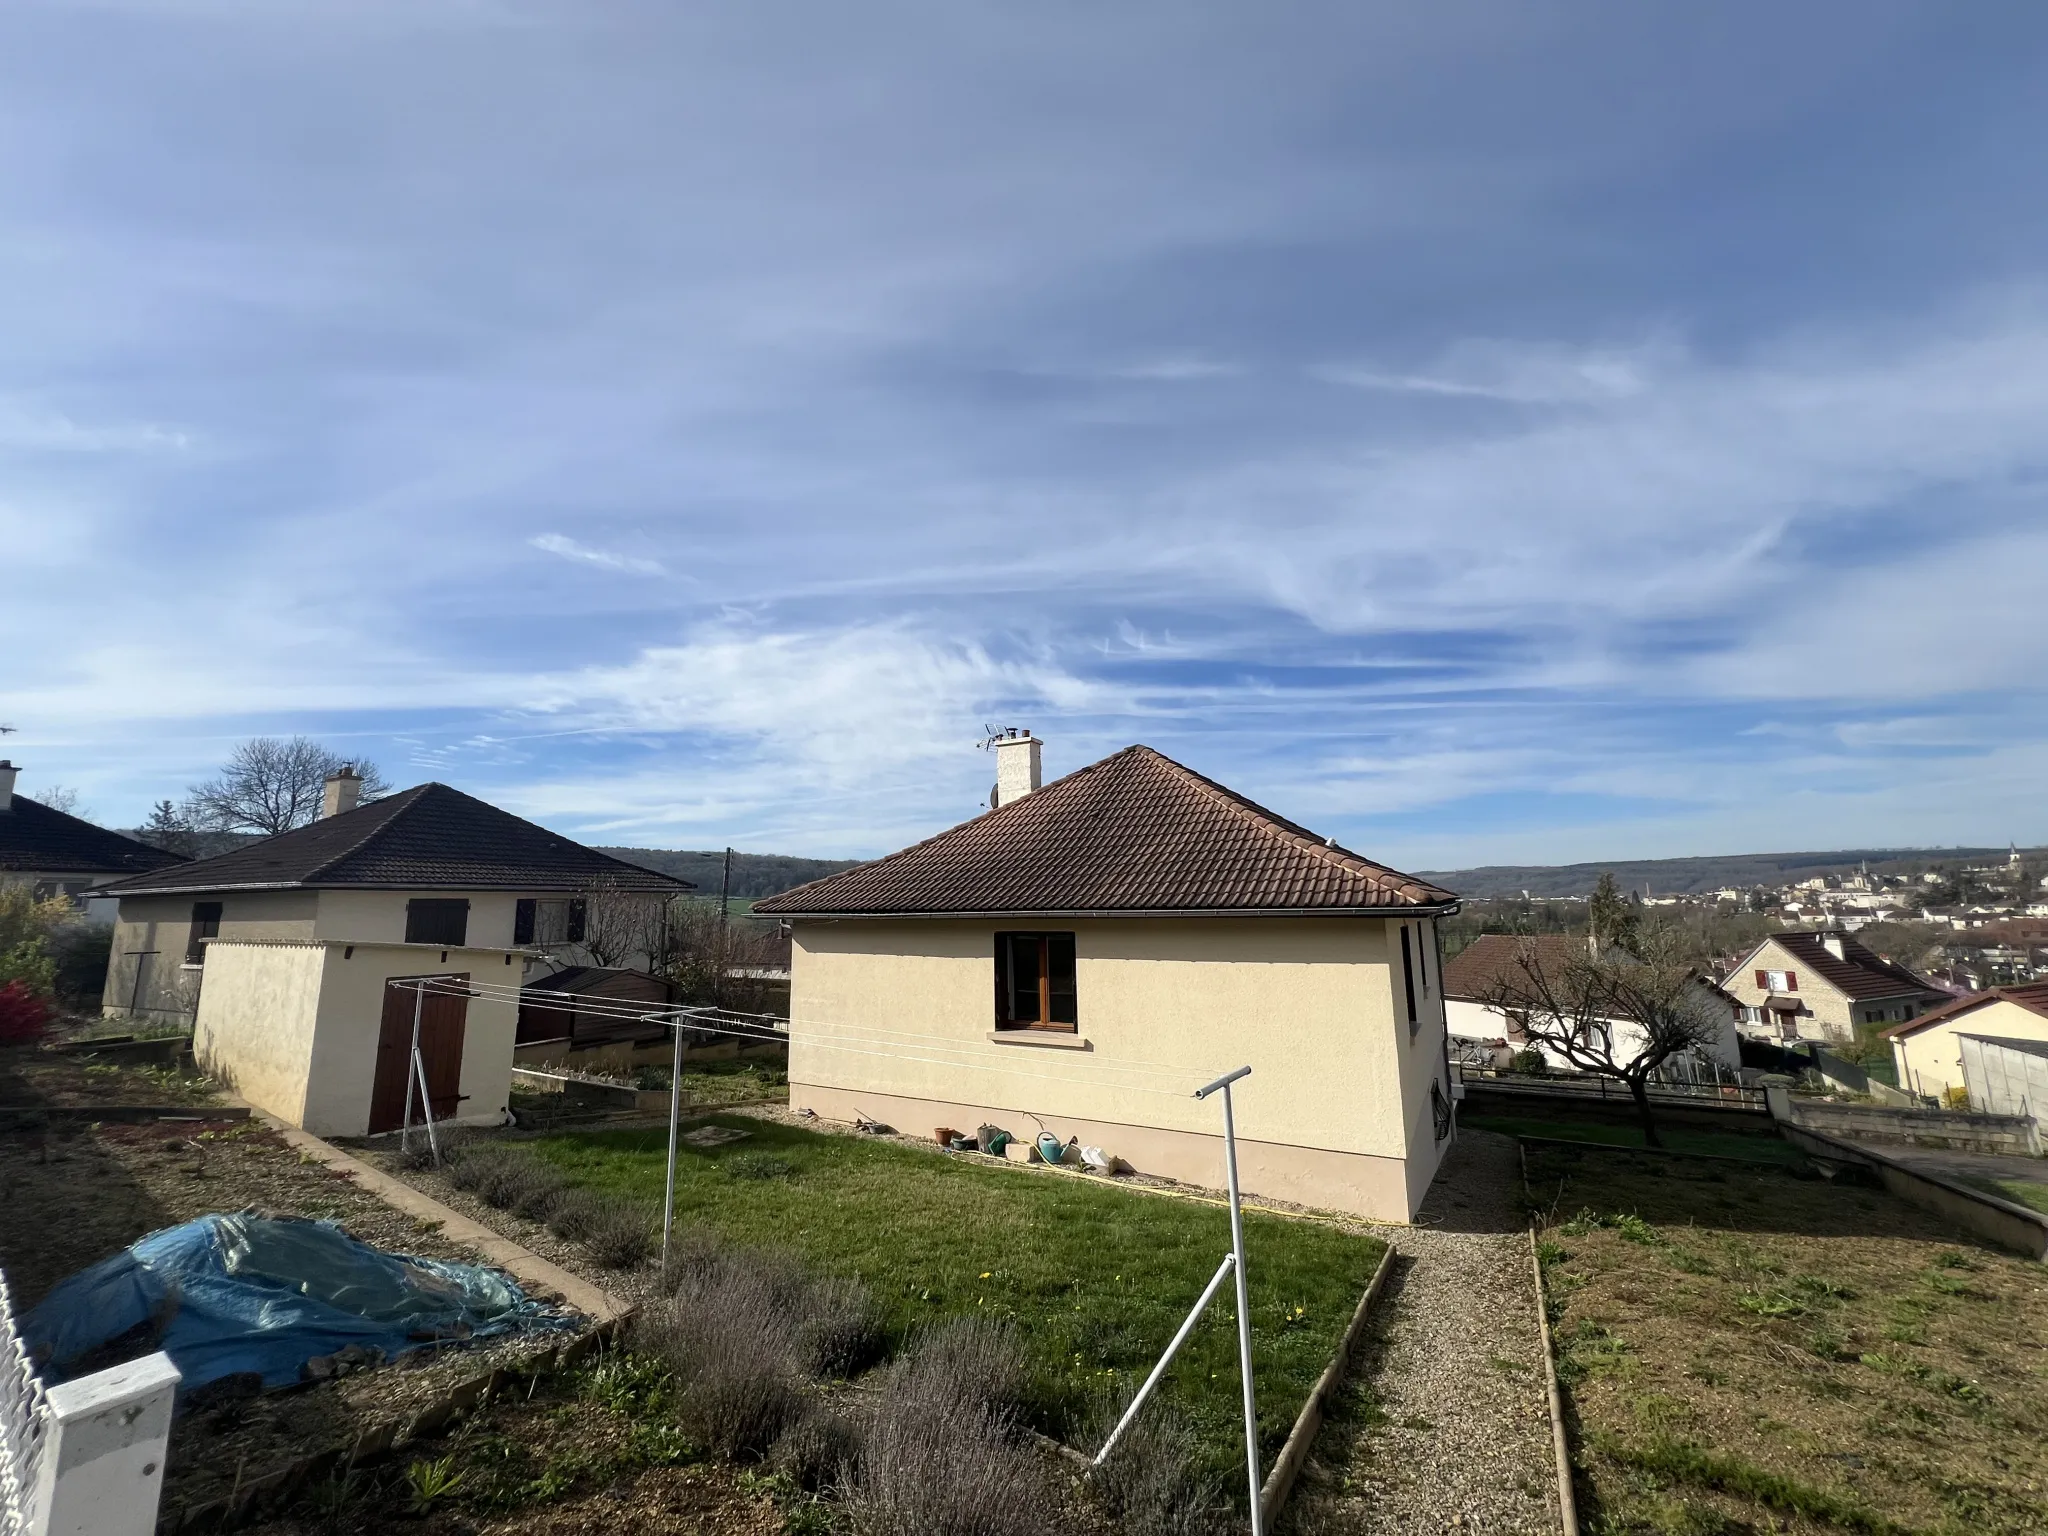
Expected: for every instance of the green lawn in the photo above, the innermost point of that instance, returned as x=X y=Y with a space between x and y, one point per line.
x=2025 y=1192
x=1752 y=1146
x=1095 y=1278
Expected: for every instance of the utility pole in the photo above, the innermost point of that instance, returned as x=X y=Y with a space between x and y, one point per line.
x=724 y=901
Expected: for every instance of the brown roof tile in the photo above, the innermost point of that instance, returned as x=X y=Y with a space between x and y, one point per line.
x=1496 y=957
x=1860 y=972
x=1136 y=832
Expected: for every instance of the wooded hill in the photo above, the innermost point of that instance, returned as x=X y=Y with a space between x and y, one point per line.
x=1687 y=877
x=754 y=875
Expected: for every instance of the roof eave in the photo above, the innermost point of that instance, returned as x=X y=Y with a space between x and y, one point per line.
x=1431 y=909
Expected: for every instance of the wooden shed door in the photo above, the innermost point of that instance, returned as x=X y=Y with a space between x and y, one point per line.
x=442 y=1017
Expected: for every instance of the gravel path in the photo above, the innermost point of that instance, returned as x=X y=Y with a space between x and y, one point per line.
x=1444 y=1424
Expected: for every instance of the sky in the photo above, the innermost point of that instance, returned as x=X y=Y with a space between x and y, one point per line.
x=1484 y=432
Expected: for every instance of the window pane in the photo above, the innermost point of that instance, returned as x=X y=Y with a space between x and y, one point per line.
x=1059 y=965
x=1024 y=978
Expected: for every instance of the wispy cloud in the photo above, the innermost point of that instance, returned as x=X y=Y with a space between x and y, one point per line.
x=568 y=549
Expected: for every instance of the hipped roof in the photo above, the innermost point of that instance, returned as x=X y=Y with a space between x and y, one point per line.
x=430 y=837
x=1134 y=833
x=38 y=839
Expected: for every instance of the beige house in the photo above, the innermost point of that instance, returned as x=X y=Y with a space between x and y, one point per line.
x=1929 y=1050
x=1082 y=958
x=1824 y=985
x=301 y=960
x=55 y=854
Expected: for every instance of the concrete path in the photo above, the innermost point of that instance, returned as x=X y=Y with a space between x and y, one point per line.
x=1444 y=1426
x=1969 y=1165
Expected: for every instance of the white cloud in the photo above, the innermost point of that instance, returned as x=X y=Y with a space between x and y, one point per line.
x=569 y=549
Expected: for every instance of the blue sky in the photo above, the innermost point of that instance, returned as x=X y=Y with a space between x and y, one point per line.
x=1487 y=432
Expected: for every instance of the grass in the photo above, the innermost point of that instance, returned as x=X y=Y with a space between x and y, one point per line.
x=1094 y=1279
x=1744 y=1350
x=1751 y=1146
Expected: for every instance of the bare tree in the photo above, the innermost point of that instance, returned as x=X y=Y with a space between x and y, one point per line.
x=273 y=784
x=621 y=925
x=1616 y=1015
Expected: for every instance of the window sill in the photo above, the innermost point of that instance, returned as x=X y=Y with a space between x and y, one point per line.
x=1045 y=1039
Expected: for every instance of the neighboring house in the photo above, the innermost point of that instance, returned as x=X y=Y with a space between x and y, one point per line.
x=1493 y=958
x=2006 y=1076
x=589 y=1005
x=1824 y=985
x=282 y=953
x=1085 y=956
x=1928 y=1051
x=59 y=855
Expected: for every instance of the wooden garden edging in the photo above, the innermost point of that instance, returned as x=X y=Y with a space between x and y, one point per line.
x=1567 y=1500
x=1308 y=1424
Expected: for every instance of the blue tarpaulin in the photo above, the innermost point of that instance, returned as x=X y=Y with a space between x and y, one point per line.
x=263 y=1295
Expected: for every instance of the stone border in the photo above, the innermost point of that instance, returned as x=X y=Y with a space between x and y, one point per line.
x=1309 y=1422
x=1567 y=1498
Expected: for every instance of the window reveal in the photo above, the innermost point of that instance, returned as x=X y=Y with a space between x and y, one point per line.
x=1035 y=985
x=205 y=925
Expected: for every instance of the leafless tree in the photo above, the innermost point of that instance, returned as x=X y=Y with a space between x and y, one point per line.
x=272 y=784
x=621 y=925
x=1616 y=1015
x=721 y=960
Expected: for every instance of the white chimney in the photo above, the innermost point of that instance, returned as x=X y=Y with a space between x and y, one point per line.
x=341 y=791
x=7 y=773
x=1017 y=767
x=1832 y=943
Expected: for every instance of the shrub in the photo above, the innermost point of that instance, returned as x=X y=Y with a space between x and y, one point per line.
x=738 y=1390
x=24 y=1016
x=841 y=1332
x=926 y=1472
x=543 y=1190
x=617 y=1234
x=818 y=1451
x=1532 y=1063
x=1156 y=1482
x=573 y=1212
x=454 y=1145
x=471 y=1163
x=965 y=1365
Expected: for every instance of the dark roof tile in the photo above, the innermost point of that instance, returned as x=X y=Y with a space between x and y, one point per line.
x=1136 y=832
x=427 y=838
x=37 y=839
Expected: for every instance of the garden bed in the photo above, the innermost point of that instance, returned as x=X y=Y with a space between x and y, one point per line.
x=1745 y=1350
x=1093 y=1279
x=73 y=1194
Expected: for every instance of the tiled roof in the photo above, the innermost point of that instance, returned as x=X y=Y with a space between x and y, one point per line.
x=427 y=838
x=2032 y=996
x=1492 y=958
x=1136 y=832
x=35 y=839
x=1859 y=972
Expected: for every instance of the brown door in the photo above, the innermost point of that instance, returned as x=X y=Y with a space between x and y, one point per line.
x=442 y=1016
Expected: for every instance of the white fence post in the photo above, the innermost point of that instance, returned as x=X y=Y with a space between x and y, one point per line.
x=102 y=1469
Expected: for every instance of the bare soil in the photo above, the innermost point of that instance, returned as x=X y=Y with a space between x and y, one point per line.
x=71 y=1195
x=1745 y=1350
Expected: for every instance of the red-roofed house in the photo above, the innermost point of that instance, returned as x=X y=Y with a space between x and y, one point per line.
x=1087 y=954
x=1824 y=985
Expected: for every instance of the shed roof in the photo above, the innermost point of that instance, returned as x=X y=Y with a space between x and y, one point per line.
x=429 y=837
x=41 y=840
x=1134 y=833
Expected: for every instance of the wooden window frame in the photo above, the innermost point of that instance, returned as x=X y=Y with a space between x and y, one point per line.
x=1005 y=991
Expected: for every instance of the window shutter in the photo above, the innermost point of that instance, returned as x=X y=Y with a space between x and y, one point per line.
x=1763 y=981
x=1791 y=981
x=579 y=911
x=522 y=920
x=1408 y=976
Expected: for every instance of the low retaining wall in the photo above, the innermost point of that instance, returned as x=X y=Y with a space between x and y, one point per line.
x=1484 y=1098
x=2003 y=1222
x=581 y=1093
x=2012 y=1135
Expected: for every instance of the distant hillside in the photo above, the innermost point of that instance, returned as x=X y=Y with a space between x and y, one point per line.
x=1687 y=877
x=754 y=875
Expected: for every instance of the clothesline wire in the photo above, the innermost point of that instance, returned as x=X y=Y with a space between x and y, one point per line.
x=844 y=1042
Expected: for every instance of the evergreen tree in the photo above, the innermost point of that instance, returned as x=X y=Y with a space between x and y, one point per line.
x=1614 y=919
